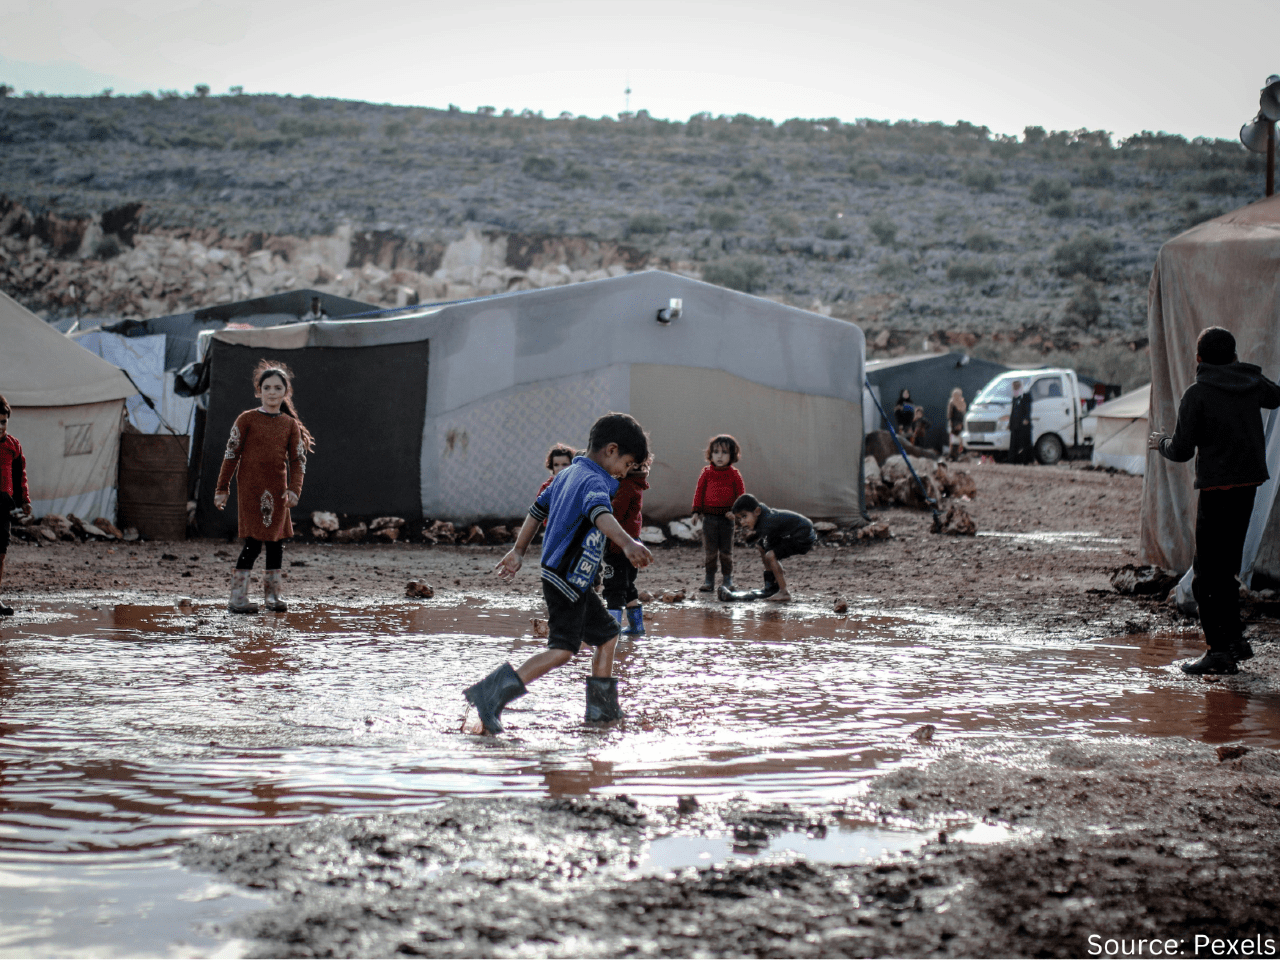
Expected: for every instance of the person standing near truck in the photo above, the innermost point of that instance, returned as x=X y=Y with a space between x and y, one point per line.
x=1220 y=423
x=1020 y=449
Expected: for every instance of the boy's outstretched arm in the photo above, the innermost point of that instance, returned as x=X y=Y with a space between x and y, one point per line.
x=634 y=550
x=511 y=563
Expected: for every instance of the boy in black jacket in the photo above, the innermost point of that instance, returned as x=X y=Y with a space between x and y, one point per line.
x=1220 y=417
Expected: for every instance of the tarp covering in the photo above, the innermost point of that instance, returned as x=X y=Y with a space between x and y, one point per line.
x=1224 y=272
x=143 y=359
x=930 y=377
x=1120 y=439
x=39 y=367
x=514 y=373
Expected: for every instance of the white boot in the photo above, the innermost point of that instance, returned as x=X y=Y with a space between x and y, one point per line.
x=271 y=592
x=240 y=593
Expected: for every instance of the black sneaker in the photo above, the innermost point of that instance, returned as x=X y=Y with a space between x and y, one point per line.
x=1242 y=650
x=1215 y=662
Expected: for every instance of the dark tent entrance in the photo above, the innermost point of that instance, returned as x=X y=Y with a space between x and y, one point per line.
x=366 y=408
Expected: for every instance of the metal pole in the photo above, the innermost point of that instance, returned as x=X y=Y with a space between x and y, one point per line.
x=1271 y=157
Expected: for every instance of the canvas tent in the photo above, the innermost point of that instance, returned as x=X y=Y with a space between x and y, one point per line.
x=1224 y=272
x=1120 y=439
x=448 y=411
x=930 y=377
x=143 y=359
x=67 y=410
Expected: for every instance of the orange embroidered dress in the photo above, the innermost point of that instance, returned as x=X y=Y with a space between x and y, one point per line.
x=266 y=454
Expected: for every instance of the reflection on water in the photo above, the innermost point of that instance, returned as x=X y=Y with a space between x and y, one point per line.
x=125 y=729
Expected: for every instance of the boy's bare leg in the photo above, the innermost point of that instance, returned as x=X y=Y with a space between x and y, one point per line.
x=542 y=663
x=602 y=659
x=783 y=595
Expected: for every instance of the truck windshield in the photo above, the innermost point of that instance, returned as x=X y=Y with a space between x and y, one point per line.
x=999 y=391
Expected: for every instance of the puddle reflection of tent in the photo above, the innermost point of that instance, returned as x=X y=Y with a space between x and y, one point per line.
x=1221 y=273
x=68 y=409
x=511 y=374
x=1120 y=439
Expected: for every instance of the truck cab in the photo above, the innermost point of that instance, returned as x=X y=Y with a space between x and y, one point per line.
x=1058 y=414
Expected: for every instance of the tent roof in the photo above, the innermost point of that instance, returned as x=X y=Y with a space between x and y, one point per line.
x=1255 y=221
x=39 y=367
x=1133 y=405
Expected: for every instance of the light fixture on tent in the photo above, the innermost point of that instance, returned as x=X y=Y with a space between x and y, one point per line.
x=1260 y=135
x=672 y=311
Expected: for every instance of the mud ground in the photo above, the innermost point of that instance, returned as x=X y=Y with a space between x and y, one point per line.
x=1122 y=839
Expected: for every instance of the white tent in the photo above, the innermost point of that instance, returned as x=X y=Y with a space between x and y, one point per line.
x=511 y=374
x=67 y=412
x=1120 y=439
x=143 y=358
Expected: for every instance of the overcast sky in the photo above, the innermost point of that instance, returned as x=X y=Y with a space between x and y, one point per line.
x=1173 y=65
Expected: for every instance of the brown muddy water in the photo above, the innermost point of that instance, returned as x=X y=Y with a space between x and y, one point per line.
x=127 y=729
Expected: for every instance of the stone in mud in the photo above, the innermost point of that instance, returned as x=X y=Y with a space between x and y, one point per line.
x=824 y=527
x=959 y=523
x=441 y=532
x=475 y=534
x=325 y=521
x=841 y=606
x=419 y=589
x=107 y=527
x=1231 y=751
x=1146 y=580
x=673 y=596
x=351 y=534
x=499 y=534
x=652 y=535
x=925 y=733
x=875 y=531
x=682 y=531
x=381 y=523
x=539 y=626
x=387 y=533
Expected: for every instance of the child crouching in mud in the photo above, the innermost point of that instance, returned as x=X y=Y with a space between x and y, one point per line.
x=578 y=509
x=779 y=534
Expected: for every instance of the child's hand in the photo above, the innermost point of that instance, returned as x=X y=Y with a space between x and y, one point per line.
x=638 y=554
x=291 y=498
x=220 y=500
x=509 y=565
x=25 y=510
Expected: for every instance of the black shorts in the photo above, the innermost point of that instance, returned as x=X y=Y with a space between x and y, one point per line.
x=619 y=581
x=6 y=504
x=571 y=623
x=788 y=548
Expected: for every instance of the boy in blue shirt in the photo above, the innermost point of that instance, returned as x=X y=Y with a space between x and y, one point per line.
x=578 y=509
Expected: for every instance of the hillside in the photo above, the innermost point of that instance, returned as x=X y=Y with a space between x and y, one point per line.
x=1014 y=248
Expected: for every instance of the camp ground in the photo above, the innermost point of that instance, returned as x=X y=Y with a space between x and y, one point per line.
x=448 y=411
x=67 y=409
x=1219 y=273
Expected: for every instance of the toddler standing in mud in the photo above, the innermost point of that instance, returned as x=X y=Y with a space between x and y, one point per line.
x=1220 y=424
x=267 y=453
x=620 y=591
x=14 y=494
x=719 y=485
x=578 y=509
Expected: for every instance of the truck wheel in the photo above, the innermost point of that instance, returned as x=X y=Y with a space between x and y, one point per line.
x=1049 y=449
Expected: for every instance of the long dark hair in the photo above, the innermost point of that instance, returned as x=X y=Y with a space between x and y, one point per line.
x=267 y=368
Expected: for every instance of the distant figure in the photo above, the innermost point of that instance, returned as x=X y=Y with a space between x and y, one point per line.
x=1020 y=449
x=1219 y=422
x=903 y=413
x=620 y=593
x=919 y=428
x=719 y=485
x=267 y=453
x=956 y=408
x=315 y=313
x=14 y=494
x=558 y=457
x=779 y=534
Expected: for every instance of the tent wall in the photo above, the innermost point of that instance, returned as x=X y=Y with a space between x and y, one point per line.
x=1225 y=272
x=364 y=406
x=784 y=435
x=143 y=358
x=72 y=456
x=1121 y=443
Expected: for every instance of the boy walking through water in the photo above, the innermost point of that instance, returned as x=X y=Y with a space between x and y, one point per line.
x=1220 y=423
x=578 y=509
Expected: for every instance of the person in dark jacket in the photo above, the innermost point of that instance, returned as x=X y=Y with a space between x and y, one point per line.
x=1020 y=447
x=1220 y=423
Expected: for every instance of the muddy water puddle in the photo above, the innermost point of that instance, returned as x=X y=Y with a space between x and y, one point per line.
x=128 y=728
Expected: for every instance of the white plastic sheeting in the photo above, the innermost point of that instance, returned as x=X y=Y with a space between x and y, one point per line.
x=143 y=359
x=1120 y=440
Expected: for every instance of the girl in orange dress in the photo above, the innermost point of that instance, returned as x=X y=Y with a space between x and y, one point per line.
x=267 y=453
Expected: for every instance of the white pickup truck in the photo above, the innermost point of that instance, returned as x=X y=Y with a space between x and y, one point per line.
x=1059 y=414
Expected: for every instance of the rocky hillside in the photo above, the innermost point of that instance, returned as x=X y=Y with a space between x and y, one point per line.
x=1039 y=245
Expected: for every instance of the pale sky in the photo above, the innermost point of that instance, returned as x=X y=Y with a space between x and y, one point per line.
x=1189 y=68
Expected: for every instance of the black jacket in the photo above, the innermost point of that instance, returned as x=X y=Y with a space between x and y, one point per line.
x=1220 y=416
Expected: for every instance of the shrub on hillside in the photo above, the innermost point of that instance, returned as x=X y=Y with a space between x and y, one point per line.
x=884 y=230
x=893 y=267
x=647 y=223
x=971 y=270
x=785 y=224
x=540 y=168
x=722 y=220
x=1061 y=209
x=1083 y=254
x=1045 y=190
x=980 y=241
x=736 y=273
x=981 y=181
x=865 y=172
x=1084 y=306
x=1098 y=175
x=833 y=231
x=309 y=129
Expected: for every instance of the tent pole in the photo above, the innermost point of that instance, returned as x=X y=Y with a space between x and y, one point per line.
x=933 y=504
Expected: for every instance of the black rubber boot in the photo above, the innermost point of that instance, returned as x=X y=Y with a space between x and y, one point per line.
x=602 y=700
x=709 y=581
x=1216 y=662
x=1242 y=650
x=493 y=693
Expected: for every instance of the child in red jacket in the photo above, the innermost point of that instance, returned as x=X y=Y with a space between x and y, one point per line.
x=620 y=591
x=719 y=485
x=13 y=487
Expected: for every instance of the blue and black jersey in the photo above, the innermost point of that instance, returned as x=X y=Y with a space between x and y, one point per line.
x=573 y=546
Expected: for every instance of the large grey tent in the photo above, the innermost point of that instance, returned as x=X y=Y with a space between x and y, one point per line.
x=930 y=377
x=68 y=406
x=448 y=411
x=1224 y=272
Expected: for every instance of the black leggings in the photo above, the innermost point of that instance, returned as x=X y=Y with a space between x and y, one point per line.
x=252 y=547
